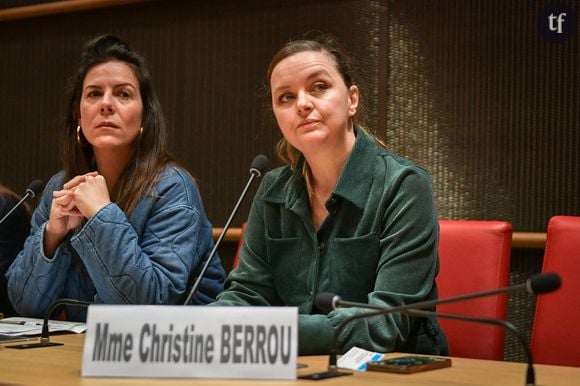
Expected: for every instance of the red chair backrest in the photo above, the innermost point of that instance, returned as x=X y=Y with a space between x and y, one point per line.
x=240 y=244
x=474 y=256
x=556 y=328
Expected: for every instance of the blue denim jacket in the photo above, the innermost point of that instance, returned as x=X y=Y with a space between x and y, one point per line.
x=151 y=257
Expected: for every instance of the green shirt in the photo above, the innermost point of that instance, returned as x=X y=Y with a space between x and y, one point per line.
x=377 y=245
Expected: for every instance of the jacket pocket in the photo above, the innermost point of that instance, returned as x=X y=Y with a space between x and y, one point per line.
x=286 y=263
x=354 y=266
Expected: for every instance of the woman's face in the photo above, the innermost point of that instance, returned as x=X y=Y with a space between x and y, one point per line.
x=311 y=102
x=111 y=108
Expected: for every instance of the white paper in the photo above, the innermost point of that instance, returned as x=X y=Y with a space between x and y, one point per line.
x=16 y=326
x=356 y=359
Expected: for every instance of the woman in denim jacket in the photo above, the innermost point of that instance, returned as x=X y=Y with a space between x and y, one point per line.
x=122 y=223
x=345 y=215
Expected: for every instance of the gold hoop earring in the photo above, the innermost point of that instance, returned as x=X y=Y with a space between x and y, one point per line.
x=141 y=131
x=79 y=134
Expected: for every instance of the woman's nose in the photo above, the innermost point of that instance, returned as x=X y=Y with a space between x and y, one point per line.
x=303 y=102
x=107 y=104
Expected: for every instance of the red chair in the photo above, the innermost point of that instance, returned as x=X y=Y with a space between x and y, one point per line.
x=240 y=244
x=474 y=256
x=556 y=328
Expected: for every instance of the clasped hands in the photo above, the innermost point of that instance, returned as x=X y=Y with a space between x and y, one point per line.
x=81 y=197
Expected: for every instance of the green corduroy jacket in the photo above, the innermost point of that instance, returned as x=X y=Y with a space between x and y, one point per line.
x=377 y=245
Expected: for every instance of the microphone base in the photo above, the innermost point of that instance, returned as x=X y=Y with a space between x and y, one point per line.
x=324 y=375
x=26 y=346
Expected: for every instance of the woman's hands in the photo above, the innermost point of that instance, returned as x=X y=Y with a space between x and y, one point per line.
x=90 y=193
x=81 y=197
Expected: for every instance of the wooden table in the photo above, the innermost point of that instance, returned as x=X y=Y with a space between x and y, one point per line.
x=61 y=365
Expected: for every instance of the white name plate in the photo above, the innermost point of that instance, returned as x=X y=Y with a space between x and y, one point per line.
x=191 y=342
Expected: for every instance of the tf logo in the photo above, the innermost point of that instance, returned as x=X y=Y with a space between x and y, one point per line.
x=557 y=23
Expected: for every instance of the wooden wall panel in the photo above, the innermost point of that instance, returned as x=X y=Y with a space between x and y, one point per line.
x=488 y=106
x=478 y=97
x=208 y=61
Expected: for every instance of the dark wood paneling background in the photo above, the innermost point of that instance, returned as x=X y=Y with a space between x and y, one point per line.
x=490 y=107
x=468 y=89
x=208 y=61
x=492 y=110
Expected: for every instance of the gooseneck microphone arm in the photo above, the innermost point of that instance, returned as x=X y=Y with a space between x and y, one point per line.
x=33 y=189
x=45 y=335
x=256 y=170
x=537 y=284
x=530 y=373
x=381 y=310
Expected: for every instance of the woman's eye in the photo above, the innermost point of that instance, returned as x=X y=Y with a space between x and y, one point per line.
x=285 y=98
x=319 y=87
x=93 y=93
x=124 y=95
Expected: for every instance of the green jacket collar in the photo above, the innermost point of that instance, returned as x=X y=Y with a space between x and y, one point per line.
x=353 y=184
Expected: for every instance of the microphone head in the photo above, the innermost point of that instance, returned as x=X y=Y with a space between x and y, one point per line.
x=258 y=165
x=34 y=188
x=544 y=283
x=326 y=301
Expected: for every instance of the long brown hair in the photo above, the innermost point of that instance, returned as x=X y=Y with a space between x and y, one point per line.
x=150 y=155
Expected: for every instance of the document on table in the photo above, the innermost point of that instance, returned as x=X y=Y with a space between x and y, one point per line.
x=18 y=326
x=356 y=359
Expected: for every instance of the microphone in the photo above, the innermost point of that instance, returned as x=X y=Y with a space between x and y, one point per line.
x=45 y=335
x=537 y=284
x=257 y=168
x=530 y=373
x=33 y=189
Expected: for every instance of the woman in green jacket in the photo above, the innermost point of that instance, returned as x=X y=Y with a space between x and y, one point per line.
x=345 y=215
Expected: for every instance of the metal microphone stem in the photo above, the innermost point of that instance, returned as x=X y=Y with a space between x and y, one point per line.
x=530 y=374
x=15 y=207
x=254 y=173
